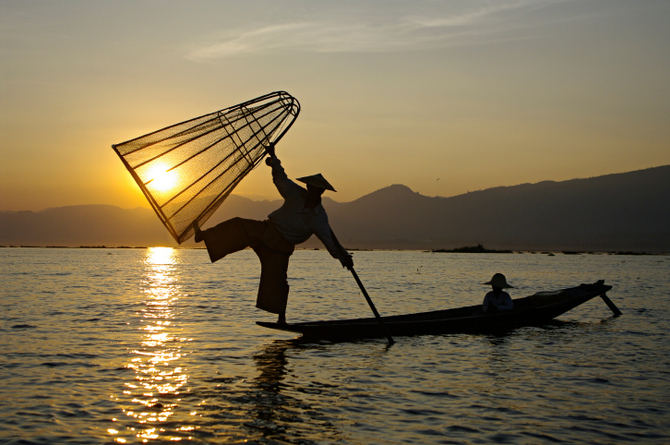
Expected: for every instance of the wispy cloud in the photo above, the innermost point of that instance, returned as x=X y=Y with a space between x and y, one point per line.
x=426 y=25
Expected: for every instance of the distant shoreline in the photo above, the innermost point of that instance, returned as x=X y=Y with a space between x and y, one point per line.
x=457 y=250
x=471 y=249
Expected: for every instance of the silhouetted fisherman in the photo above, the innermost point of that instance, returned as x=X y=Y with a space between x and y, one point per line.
x=274 y=239
x=498 y=300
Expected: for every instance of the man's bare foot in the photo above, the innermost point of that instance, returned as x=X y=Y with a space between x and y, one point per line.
x=198 y=232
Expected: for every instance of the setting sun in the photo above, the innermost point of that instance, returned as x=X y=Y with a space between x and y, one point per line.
x=162 y=179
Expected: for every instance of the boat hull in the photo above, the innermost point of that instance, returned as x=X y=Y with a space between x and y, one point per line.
x=532 y=310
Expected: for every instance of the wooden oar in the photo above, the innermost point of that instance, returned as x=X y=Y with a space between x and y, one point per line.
x=365 y=294
x=610 y=304
x=372 y=306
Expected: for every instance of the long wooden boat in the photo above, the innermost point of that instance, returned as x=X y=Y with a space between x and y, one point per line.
x=532 y=310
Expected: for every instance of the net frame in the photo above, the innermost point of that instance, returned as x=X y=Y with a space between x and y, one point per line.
x=223 y=147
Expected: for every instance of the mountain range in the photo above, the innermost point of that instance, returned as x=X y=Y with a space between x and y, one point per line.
x=618 y=212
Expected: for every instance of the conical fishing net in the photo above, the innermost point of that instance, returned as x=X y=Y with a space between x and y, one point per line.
x=187 y=170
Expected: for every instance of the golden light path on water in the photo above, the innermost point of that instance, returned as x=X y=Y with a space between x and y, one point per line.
x=160 y=380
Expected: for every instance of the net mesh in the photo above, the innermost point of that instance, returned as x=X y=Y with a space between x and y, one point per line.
x=187 y=170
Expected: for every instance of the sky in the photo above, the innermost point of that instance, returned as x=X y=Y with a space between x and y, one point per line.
x=445 y=97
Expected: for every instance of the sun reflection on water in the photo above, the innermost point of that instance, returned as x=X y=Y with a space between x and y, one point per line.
x=160 y=379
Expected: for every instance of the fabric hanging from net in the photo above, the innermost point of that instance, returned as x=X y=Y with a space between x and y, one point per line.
x=187 y=170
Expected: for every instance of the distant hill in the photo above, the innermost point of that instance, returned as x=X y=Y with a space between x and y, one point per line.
x=84 y=225
x=619 y=212
x=629 y=211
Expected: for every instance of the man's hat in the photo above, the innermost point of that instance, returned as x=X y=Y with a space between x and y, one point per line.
x=317 y=181
x=499 y=281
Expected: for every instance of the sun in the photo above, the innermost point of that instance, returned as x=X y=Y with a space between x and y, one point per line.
x=162 y=179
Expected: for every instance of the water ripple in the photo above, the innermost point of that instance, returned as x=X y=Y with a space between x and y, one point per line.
x=160 y=346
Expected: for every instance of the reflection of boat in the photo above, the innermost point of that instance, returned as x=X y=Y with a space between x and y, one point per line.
x=533 y=310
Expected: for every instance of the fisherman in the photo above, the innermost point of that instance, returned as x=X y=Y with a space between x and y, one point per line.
x=497 y=300
x=274 y=239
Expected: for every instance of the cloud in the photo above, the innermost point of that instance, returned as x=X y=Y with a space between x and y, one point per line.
x=424 y=25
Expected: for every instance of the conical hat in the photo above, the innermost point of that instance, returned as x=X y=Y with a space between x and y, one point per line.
x=499 y=280
x=317 y=181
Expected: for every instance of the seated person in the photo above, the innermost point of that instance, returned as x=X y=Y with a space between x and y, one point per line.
x=497 y=300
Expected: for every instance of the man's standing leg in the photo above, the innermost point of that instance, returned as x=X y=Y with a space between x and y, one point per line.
x=273 y=288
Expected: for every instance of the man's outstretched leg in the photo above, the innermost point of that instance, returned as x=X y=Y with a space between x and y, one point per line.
x=230 y=236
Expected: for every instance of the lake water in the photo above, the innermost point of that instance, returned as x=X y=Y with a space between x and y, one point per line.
x=159 y=345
